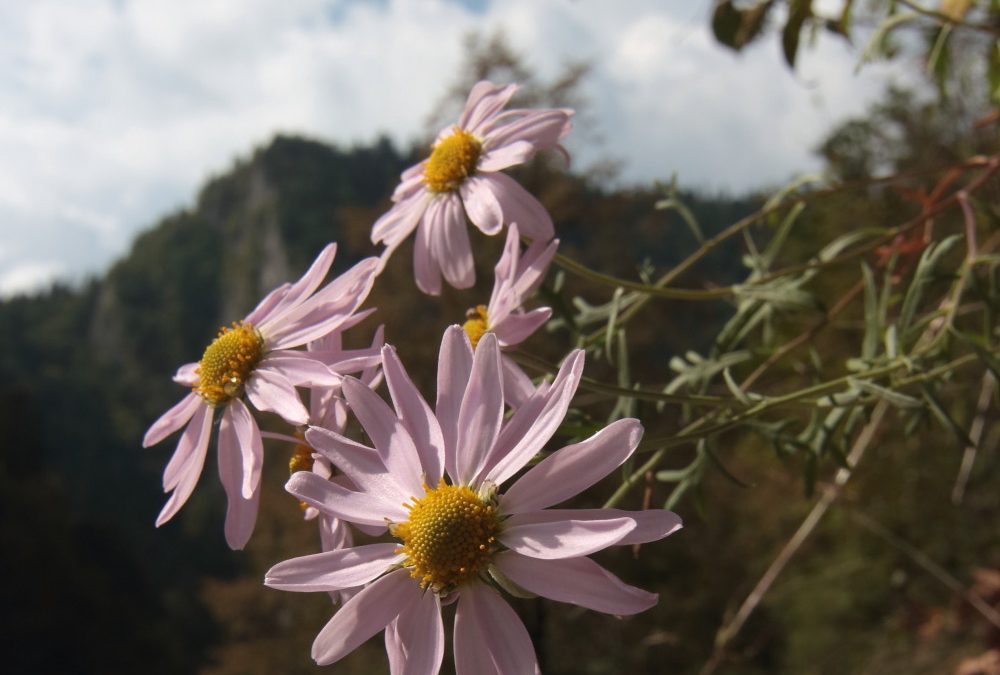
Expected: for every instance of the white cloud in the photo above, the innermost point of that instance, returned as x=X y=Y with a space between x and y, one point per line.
x=29 y=276
x=113 y=112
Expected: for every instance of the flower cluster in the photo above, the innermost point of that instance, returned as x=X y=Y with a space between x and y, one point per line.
x=457 y=491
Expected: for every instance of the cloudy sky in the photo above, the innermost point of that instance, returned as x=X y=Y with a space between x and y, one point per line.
x=113 y=112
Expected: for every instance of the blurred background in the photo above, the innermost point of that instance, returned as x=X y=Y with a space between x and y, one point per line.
x=163 y=165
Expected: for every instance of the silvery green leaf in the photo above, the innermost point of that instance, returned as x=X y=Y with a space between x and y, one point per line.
x=744 y=397
x=873 y=328
x=891 y=342
x=778 y=240
x=892 y=397
x=930 y=260
x=840 y=398
x=946 y=420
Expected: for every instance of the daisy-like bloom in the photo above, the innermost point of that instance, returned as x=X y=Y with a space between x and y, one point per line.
x=328 y=410
x=434 y=478
x=255 y=357
x=517 y=277
x=463 y=177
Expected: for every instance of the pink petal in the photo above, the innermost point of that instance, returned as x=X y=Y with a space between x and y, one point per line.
x=372 y=376
x=337 y=501
x=533 y=425
x=450 y=243
x=250 y=444
x=472 y=656
x=359 y=463
x=533 y=266
x=195 y=433
x=454 y=368
x=394 y=648
x=415 y=415
x=506 y=267
x=538 y=129
x=411 y=182
x=564 y=539
x=241 y=512
x=481 y=205
x=186 y=374
x=333 y=570
x=396 y=224
x=520 y=207
x=272 y=392
x=482 y=410
x=506 y=155
x=500 y=630
x=388 y=435
x=309 y=282
x=579 y=581
x=173 y=419
x=325 y=311
x=426 y=270
x=517 y=387
x=575 y=468
x=420 y=635
x=302 y=369
x=651 y=525
x=334 y=534
x=485 y=100
x=267 y=305
x=365 y=614
x=196 y=437
x=516 y=328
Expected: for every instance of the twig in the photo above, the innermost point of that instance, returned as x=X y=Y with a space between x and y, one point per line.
x=829 y=496
x=804 y=337
x=929 y=566
x=945 y=18
x=975 y=435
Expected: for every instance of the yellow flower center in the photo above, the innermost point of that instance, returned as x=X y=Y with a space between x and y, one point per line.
x=452 y=160
x=227 y=362
x=476 y=324
x=301 y=460
x=449 y=537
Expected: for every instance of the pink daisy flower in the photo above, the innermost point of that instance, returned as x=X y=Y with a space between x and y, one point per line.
x=328 y=409
x=256 y=358
x=460 y=539
x=463 y=177
x=517 y=277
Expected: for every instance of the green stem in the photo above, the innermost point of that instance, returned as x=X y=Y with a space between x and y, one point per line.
x=582 y=270
x=638 y=393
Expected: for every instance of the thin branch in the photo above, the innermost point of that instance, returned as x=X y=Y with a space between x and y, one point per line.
x=989 y=165
x=976 y=436
x=928 y=565
x=638 y=393
x=940 y=17
x=788 y=551
x=804 y=337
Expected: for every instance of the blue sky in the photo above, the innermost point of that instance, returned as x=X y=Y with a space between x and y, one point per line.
x=112 y=113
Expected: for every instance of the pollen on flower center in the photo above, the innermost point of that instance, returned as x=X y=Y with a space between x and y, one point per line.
x=227 y=362
x=449 y=537
x=476 y=324
x=452 y=160
x=301 y=460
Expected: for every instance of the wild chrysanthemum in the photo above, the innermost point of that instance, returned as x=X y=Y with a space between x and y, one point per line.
x=517 y=277
x=463 y=177
x=433 y=478
x=255 y=358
